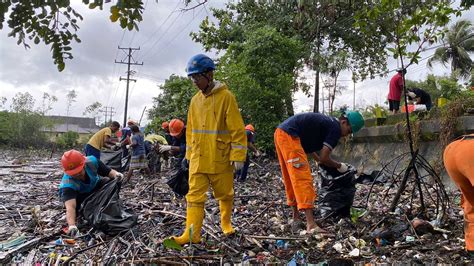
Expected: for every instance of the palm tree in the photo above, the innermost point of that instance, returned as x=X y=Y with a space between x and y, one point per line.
x=458 y=44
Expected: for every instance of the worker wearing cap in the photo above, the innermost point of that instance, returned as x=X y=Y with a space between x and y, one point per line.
x=177 y=148
x=82 y=177
x=458 y=163
x=309 y=133
x=216 y=145
x=100 y=139
x=166 y=128
x=250 y=131
x=125 y=138
x=395 y=90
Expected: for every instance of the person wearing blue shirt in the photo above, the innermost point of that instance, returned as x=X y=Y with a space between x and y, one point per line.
x=138 y=160
x=82 y=177
x=309 y=133
x=177 y=146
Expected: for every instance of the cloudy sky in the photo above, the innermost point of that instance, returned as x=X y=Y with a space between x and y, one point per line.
x=165 y=47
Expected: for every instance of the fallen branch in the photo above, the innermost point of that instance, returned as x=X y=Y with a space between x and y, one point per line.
x=278 y=238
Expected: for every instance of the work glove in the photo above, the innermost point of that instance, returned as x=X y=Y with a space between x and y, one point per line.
x=343 y=168
x=164 y=148
x=237 y=165
x=128 y=147
x=257 y=153
x=119 y=177
x=73 y=231
x=412 y=95
x=118 y=144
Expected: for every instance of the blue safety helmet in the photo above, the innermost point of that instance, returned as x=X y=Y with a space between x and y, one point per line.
x=200 y=64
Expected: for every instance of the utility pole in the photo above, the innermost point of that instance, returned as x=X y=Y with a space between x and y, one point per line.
x=128 y=62
x=108 y=112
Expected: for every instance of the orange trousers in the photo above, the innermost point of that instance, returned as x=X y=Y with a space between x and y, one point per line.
x=459 y=163
x=295 y=170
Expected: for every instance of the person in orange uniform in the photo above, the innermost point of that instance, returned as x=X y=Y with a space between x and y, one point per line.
x=216 y=144
x=308 y=133
x=458 y=163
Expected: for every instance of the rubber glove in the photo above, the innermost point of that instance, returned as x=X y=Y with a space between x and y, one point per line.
x=343 y=168
x=237 y=165
x=164 y=148
x=73 y=231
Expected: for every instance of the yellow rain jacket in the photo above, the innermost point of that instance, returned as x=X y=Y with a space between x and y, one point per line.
x=215 y=133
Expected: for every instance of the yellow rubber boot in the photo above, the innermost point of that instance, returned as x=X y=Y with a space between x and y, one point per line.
x=226 y=214
x=194 y=217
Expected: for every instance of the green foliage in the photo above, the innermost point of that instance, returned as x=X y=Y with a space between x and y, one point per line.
x=47 y=103
x=260 y=72
x=23 y=127
x=55 y=23
x=172 y=102
x=460 y=41
x=375 y=111
x=322 y=27
x=68 y=140
x=402 y=24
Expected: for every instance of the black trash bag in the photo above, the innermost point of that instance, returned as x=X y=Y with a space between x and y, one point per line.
x=105 y=211
x=179 y=179
x=337 y=191
x=114 y=160
x=375 y=177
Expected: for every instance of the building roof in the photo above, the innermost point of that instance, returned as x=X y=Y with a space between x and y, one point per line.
x=81 y=125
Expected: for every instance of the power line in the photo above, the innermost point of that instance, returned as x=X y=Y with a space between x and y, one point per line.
x=114 y=68
x=162 y=35
x=160 y=51
x=128 y=79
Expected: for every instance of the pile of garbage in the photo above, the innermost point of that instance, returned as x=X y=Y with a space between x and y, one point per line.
x=32 y=224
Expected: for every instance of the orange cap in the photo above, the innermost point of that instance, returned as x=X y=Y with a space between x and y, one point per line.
x=176 y=126
x=73 y=162
x=250 y=127
x=164 y=125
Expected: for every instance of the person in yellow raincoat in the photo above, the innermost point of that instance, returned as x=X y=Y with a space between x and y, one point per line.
x=216 y=145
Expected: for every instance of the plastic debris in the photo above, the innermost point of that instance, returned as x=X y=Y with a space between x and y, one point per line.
x=354 y=253
x=338 y=247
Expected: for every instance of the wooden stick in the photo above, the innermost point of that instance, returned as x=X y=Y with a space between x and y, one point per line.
x=277 y=237
x=256 y=216
x=12 y=165
x=29 y=172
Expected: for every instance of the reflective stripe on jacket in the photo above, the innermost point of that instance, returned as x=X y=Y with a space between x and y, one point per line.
x=215 y=133
x=91 y=167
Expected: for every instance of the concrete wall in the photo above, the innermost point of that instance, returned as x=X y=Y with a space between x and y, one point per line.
x=373 y=147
